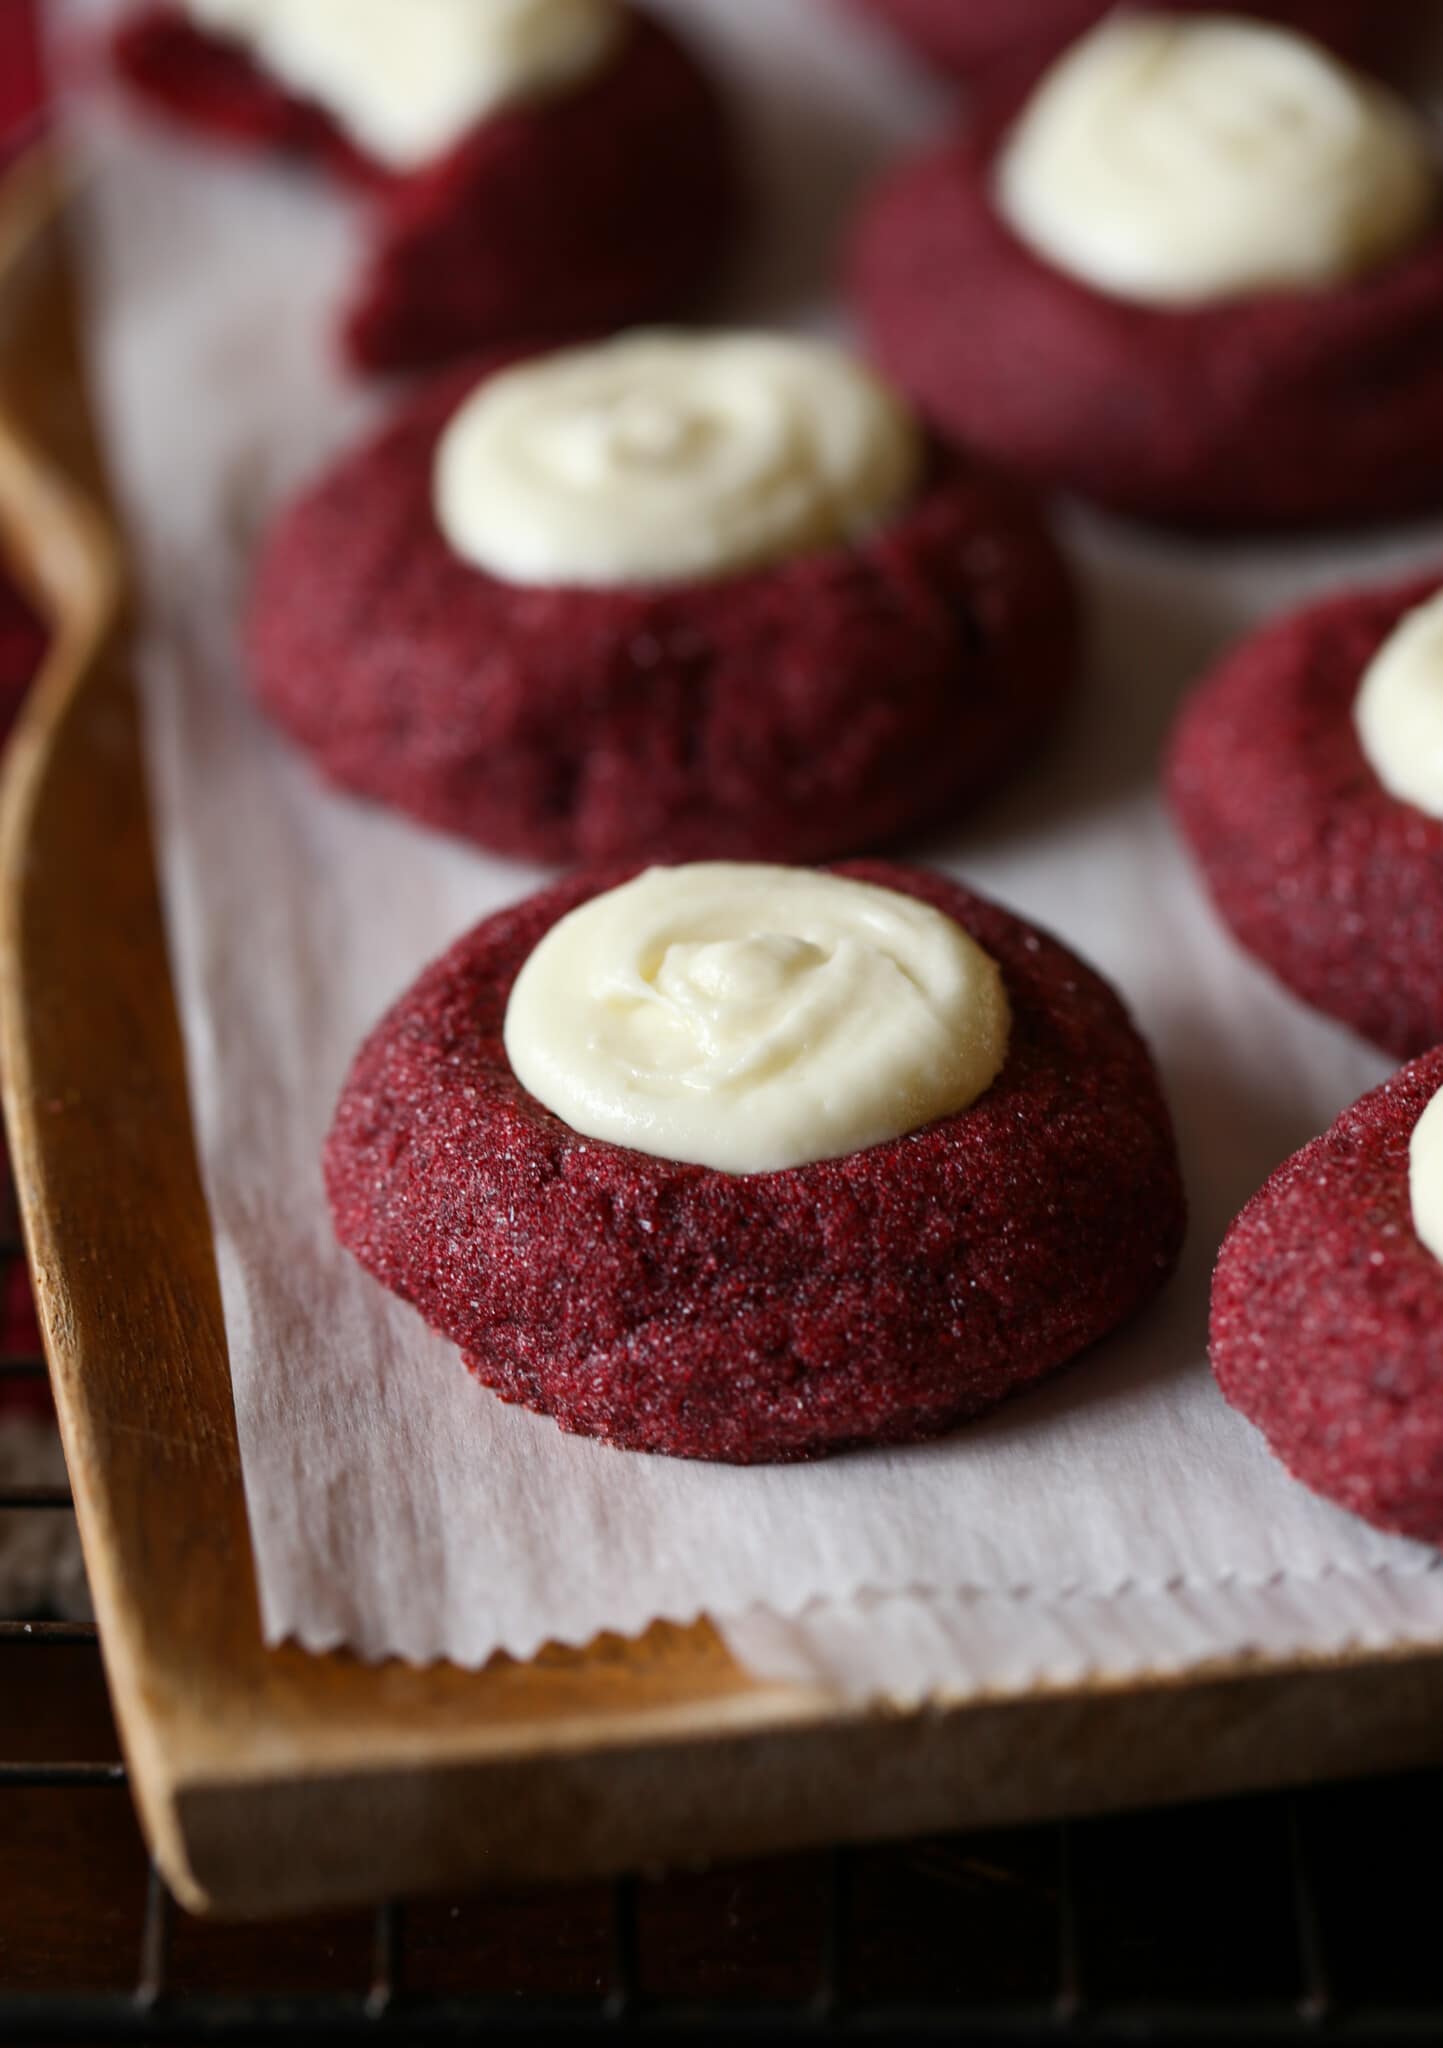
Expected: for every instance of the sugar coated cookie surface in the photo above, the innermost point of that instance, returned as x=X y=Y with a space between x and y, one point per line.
x=612 y=197
x=1327 y=1315
x=1320 y=870
x=876 y=1297
x=1275 y=407
x=815 y=706
x=975 y=38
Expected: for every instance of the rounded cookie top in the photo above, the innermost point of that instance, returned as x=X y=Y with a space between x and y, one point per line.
x=606 y=193
x=879 y=1296
x=1331 y=879
x=1278 y=407
x=1184 y=161
x=975 y=39
x=407 y=84
x=1327 y=1315
x=800 y=709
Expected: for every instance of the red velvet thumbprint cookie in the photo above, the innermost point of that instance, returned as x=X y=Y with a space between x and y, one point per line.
x=669 y=596
x=1306 y=774
x=753 y=1164
x=973 y=39
x=1327 y=1311
x=1197 y=277
x=536 y=169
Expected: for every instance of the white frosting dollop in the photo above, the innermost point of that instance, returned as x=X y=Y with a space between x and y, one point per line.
x=660 y=456
x=406 y=79
x=1398 y=711
x=750 y=1018
x=1180 y=161
x=1425 y=1176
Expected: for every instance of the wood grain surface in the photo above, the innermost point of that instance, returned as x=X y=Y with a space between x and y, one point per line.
x=271 y=1780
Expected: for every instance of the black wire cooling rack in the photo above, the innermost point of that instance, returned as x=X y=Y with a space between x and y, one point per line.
x=1285 y=1917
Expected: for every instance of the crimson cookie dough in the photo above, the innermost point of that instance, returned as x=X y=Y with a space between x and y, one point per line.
x=826 y=703
x=1279 y=409
x=612 y=202
x=1332 y=882
x=970 y=38
x=1327 y=1316
x=875 y=1298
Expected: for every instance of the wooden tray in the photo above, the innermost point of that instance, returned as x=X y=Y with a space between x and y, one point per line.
x=270 y=1779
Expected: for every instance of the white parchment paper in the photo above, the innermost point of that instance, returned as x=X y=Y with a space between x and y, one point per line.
x=1122 y=1518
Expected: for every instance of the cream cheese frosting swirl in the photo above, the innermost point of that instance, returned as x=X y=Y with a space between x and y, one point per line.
x=750 y=1018
x=664 y=456
x=1398 y=711
x=1178 y=162
x=406 y=79
x=1425 y=1176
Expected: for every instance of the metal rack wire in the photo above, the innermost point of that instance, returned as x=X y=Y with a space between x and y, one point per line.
x=382 y=2006
x=1071 y=1967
